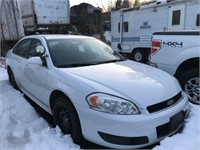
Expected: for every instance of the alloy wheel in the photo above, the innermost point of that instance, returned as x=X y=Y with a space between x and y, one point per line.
x=192 y=90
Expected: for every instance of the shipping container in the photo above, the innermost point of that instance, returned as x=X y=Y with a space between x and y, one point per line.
x=11 y=25
x=45 y=16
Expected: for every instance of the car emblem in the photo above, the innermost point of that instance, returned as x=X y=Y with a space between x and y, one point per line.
x=170 y=102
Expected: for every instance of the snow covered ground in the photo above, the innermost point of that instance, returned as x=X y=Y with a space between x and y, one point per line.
x=21 y=128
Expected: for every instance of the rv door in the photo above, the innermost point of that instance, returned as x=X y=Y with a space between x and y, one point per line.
x=176 y=17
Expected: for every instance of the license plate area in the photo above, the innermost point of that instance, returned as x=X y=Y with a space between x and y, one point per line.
x=171 y=126
x=176 y=121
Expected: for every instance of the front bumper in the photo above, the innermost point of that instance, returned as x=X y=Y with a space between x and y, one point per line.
x=153 y=64
x=131 y=131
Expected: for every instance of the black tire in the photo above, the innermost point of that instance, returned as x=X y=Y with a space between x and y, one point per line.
x=66 y=117
x=138 y=55
x=189 y=81
x=148 y=55
x=11 y=79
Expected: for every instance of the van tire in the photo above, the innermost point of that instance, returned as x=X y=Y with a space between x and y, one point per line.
x=138 y=55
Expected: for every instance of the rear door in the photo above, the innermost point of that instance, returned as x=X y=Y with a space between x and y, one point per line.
x=176 y=17
x=21 y=51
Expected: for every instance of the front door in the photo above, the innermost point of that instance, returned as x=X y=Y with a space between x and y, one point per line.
x=35 y=76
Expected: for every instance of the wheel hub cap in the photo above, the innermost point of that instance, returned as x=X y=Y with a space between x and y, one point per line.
x=66 y=121
x=138 y=56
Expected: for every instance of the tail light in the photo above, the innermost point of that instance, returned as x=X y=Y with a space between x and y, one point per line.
x=156 y=45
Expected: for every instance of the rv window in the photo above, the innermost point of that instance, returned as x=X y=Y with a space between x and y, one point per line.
x=118 y=27
x=125 y=27
x=198 y=20
x=176 y=16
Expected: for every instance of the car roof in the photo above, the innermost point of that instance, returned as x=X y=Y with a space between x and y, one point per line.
x=58 y=36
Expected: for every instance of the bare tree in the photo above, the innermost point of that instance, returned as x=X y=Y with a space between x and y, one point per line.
x=118 y=4
x=137 y=3
x=126 y=4
x=109 y=6
x=103 y=6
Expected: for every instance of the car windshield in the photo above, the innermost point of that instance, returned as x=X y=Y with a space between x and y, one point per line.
x=78 y=52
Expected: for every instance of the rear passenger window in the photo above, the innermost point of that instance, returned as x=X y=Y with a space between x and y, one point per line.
x=15 y=49
x=22 y=49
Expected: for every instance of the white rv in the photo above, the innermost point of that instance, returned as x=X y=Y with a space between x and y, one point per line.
x=132 y=28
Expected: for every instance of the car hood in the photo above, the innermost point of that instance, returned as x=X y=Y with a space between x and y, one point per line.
x=142 y=84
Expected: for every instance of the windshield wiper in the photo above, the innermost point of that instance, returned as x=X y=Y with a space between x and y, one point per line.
x=111 y=61
x=89 y=64
x=75 y=65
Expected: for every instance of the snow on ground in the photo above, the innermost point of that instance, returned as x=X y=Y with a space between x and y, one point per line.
x=107 y=35
x=189 y=139
x=21 y=128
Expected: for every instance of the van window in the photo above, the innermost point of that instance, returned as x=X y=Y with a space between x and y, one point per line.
x=176 y=16
x=198 y=20
x=125 y=27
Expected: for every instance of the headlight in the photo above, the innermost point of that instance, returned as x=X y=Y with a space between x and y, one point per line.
x=111 y=104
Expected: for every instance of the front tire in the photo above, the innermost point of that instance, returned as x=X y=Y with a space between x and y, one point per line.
x=190 y=83
x=12 y=80
x=66 y=117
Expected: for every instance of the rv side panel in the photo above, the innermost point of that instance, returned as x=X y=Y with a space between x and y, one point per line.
x=192 y=10
x=142 y=22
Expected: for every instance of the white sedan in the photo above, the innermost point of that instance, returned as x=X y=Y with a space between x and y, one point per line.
x=96 y=94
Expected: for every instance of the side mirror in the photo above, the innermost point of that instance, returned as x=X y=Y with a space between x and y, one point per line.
x=35 y=61
x=40 y=50
x=119 y=46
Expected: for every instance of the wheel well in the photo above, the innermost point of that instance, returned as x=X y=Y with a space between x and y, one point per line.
x=8 y=69
x=145 y=53
x=55 y=94
x=142 y=48
x=186 y=65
